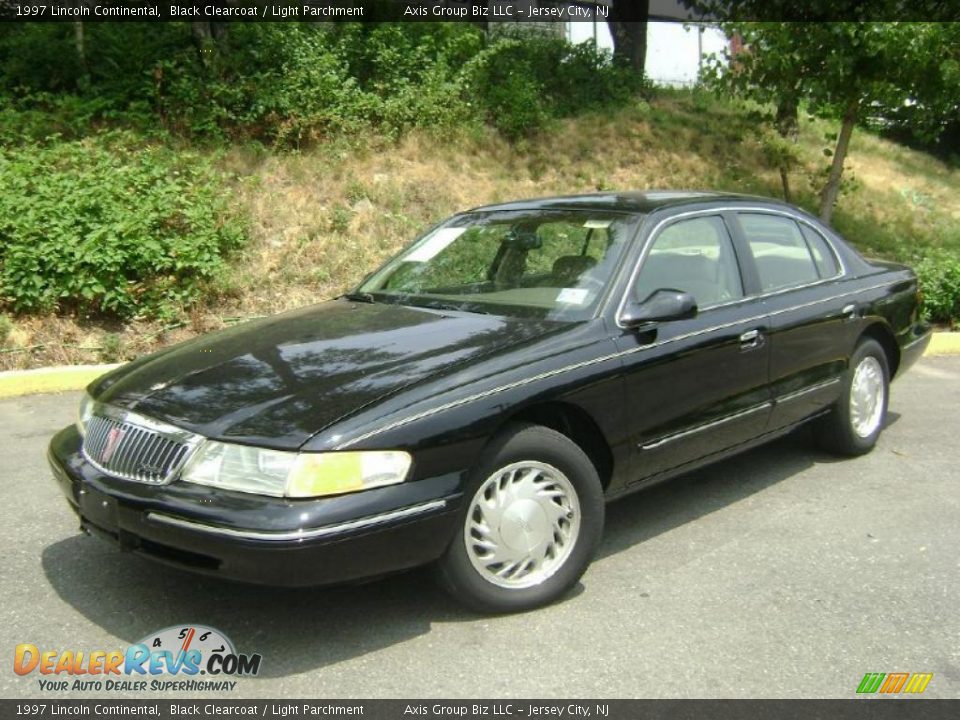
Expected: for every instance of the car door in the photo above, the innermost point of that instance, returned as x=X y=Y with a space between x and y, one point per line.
x=697 y=386
x=801 y=280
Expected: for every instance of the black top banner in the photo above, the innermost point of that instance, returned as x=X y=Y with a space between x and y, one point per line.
x=478 y=11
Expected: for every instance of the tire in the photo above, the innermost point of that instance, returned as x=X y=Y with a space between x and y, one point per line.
x=855 y=423
x=530 y=525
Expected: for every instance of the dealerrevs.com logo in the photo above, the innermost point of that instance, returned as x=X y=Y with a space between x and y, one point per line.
x=181 y=651
x=895 y=683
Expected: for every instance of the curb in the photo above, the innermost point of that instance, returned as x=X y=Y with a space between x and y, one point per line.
x=944 y=343
x=77 y=377
x=50 y=379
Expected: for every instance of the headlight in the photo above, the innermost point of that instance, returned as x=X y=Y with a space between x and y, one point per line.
x=290 y=474
x=84 y=413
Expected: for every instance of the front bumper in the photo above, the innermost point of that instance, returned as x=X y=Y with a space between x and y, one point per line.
x=271 y=541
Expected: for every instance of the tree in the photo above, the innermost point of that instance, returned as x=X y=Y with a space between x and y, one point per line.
x=767 y=69
x=843 y=70
x=932 y=117
x=892 y=71
x=629 y=35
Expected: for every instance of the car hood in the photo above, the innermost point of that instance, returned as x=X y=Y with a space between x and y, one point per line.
x=277 y=381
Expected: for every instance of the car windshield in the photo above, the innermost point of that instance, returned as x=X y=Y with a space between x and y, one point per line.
x=543 y=264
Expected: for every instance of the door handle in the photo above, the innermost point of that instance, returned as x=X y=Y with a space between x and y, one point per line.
x=850 y=311
x=750 y=339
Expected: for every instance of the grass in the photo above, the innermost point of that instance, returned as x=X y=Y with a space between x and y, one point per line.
x=320 y=220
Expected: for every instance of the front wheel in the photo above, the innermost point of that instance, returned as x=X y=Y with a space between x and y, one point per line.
x=532 y=521
x=857 y=419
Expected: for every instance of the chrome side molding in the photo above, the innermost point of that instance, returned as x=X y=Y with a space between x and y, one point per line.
x=706 y=426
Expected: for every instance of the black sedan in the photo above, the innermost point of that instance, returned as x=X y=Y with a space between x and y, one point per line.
x=477 y=400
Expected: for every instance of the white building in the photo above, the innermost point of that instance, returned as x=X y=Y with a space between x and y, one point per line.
x=675 y=50
x=676 y=45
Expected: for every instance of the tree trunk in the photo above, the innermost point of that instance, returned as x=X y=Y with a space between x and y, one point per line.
x=206 y=37
x=202 y=40
x=78 y=41
x=788 y=126
x=788 y=122
x=80 y=44
x=629 y=38
x=828 y=197
x=785 y=181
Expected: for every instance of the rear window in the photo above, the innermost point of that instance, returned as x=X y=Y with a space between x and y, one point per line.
x=780 y=251
x=823 y=256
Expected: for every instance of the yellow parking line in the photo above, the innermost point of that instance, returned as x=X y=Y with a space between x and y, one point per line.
x=53 y=379
x=944 y=343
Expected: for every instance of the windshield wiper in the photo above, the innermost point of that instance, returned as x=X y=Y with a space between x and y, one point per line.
x=364 y=297
x=454 y=307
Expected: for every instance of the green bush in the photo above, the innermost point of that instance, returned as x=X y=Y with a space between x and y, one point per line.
x=523 y=82
x=40 y=115
x=311 y=92
x=504 y=82
x=45 y=89
x=940 y=284
x=273 y=83
x=288 y=85
x=111 y=227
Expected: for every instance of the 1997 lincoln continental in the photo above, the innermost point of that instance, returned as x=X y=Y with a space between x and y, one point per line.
x=476 y=400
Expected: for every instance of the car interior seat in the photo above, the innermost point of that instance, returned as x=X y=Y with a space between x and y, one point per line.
x=567 y=269
x=695 y=274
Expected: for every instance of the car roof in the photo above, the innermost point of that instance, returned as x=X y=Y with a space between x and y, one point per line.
x=627 y=201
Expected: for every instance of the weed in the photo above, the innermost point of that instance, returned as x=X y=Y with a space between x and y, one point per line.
x=6 y=326
x=111 y=348
x=340 y=218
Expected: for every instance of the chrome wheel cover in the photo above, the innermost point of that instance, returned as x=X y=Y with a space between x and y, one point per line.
x=522 y=524
x=866 y=397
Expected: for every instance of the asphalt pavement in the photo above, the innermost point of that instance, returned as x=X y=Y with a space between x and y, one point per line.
x=783 y=572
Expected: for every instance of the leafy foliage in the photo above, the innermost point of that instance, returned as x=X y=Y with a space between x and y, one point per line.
x=289 y=84
x=108 y=226
x=940 y=284
x=845 y=70
x=522 y=83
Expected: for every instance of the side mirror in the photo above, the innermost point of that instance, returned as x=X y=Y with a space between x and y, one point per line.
x=662 y=305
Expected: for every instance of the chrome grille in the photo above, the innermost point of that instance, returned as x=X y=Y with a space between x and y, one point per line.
x=132 y=451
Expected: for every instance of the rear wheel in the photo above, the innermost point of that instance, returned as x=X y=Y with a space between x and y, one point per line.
x=857 y=419
x=531 y=523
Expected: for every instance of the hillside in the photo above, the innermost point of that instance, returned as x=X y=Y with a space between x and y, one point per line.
x=320 y=219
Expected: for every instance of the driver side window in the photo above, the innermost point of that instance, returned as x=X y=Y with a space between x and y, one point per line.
x=695 y=256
